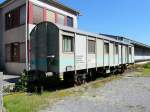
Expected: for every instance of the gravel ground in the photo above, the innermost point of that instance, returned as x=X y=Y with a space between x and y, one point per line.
x=129 y=94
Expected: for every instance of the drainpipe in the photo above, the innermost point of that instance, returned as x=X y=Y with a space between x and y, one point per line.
x=26 y=36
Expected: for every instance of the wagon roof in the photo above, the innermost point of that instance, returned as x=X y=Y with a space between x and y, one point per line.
x=78 y=31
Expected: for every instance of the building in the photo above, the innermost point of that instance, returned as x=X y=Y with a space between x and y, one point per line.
x=141 y=51
x=17 y=19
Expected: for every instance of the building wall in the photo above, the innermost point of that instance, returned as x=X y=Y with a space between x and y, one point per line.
x=13 y=35
x=57 y=10
x=141 y=53
x=1 y=41
x=17 y=34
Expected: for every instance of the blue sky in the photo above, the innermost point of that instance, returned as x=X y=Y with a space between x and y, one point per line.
x=129 y=18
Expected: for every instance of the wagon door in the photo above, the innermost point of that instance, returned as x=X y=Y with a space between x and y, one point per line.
x=130 y=54
x=100 y=52
x=116 y=54
x=123 y=54
x=126 y=54
x=80 y=52
x=111 y=54
x=91 y=54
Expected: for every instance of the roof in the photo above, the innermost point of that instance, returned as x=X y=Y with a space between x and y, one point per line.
x=131 y=41
x=52 y=2
x=62 y=6
x=81 y=32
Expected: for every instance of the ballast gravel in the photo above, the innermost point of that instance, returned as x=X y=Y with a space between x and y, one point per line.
x=128 y=94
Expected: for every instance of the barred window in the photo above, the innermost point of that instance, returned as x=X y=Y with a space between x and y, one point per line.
x=8 y=52
x=60 y=19
x=22 y=52
x=50 y=16
x=38 y=15
x=68 y=43
x=15 y=17
x=12 y=19
x=69 y=21
x=91 y=46
x=106 y=48
x=15 y=52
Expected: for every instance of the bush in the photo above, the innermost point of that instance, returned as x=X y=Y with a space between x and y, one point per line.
x=21 y=85
x=36 y=81
x=8 y=88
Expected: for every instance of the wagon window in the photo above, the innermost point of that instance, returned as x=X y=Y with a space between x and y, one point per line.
x=67 y=43
x=106 y=47
x=91 y=46
x=116 y=49
x=129 y=50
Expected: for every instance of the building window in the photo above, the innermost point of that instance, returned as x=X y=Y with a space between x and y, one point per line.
x=8 y=52
x=130 y=51
x=68 y=44
x=22 y=52
x=60 y=19
x=38 y=15
x=50 y=16
x=116 y=49
x=12 y=52
x=15 y=54
x=15 y=18
x=12 y=19
x=91 y=46
x=69 y=21
x=22 y=15
x=106 y=48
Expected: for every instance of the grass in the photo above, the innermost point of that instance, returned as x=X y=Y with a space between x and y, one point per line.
x=145 y=70
x=21 y=102
x=101 y=82
x=147 y=66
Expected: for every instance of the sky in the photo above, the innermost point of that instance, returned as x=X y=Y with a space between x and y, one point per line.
x=129 y=18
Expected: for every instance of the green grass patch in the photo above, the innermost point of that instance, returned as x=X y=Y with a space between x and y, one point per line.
x=146 y=72
x=143 y=73
x=142 y=70
x=21 y=102
x=147 y=66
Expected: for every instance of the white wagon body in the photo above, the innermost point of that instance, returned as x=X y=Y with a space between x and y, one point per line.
x=63 y=49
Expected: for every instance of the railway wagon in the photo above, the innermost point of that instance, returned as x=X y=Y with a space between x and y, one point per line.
x=72 y=54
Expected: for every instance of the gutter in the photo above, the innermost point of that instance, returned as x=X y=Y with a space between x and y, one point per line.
x=5 y=3
x=26 y=37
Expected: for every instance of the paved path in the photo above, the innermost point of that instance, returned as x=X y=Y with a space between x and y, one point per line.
x=129 y=94
x=10 y=79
